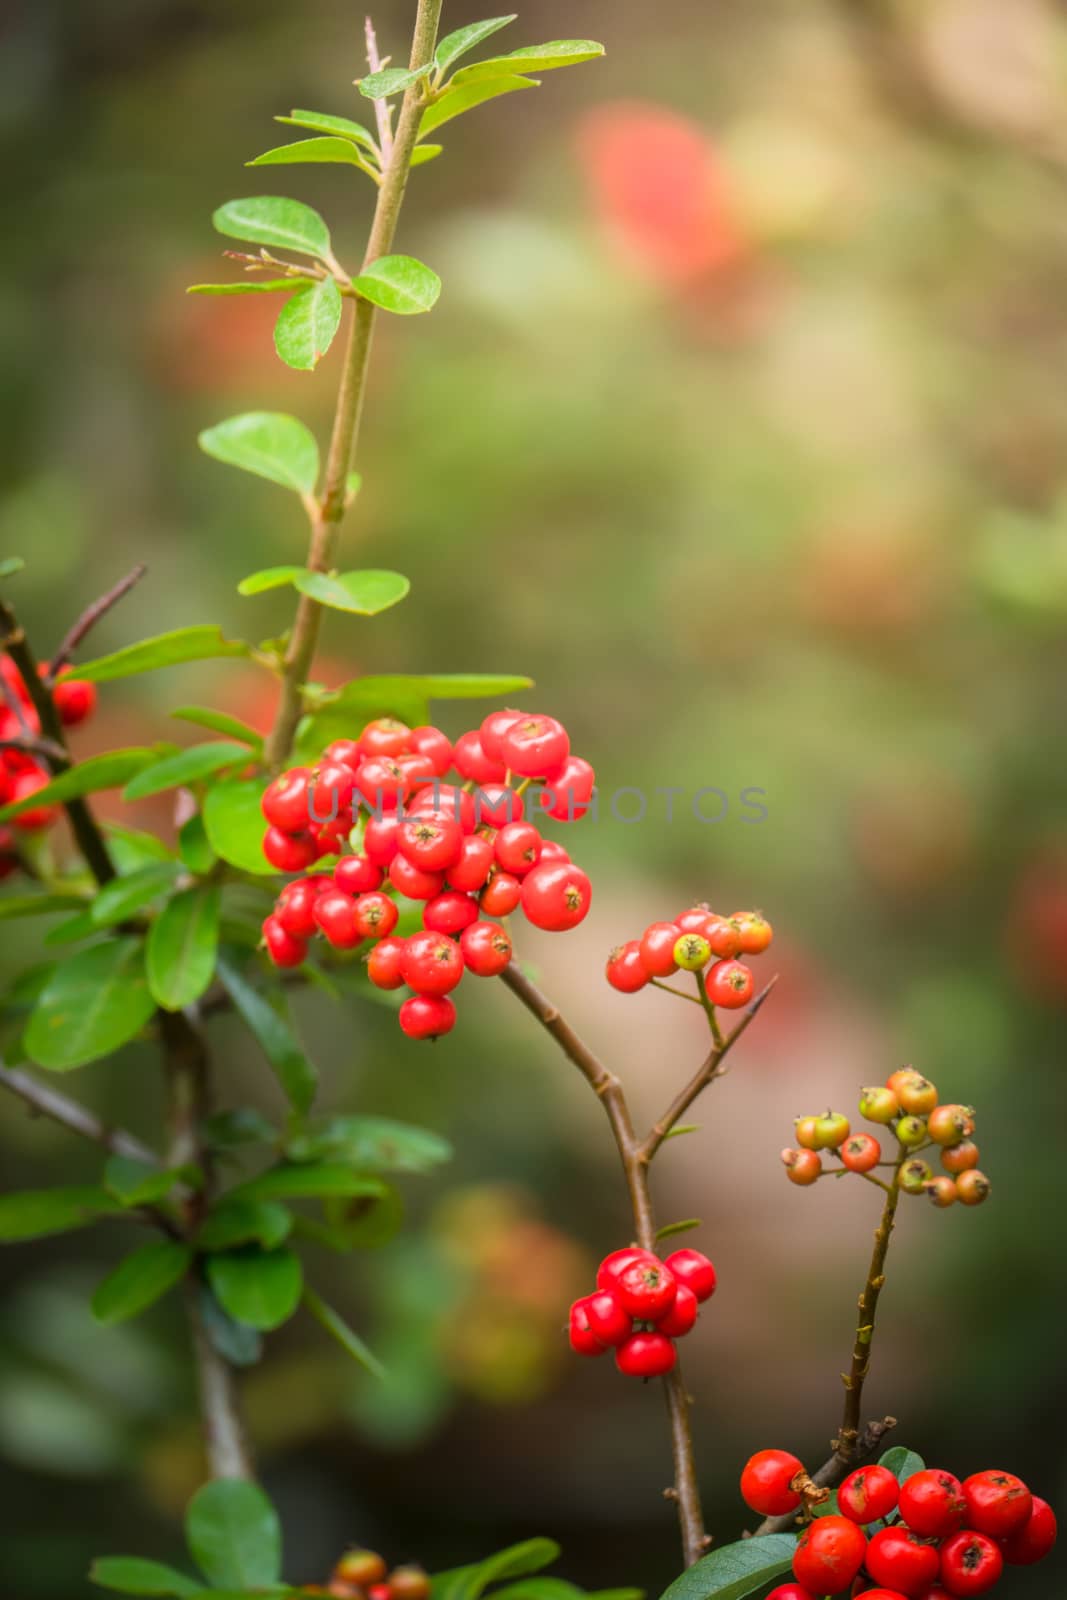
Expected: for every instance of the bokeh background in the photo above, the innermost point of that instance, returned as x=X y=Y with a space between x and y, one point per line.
x=741 y=426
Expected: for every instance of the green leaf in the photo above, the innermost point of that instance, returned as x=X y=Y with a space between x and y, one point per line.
x=736 y=1570
x=374 y=1144
x=132 y=1575
x=540 y=1588
x=234 y=823
x=272 y=220
x=269 y=578
x=467 y=1583
x=182 y=946
x=236 y=1221
x=108 y=771
x=533 y=58
x=92 y=1003
x=364 y=593
x=308 y=321
x=37 y=905
x=225 y=1130
x=245 y=286
x=399 y=284
x=327 y=150
x=902 y=1462
x=186 y=767
x=233 y=1534
x=201 y=643
x=459 y=98
x=10 y=566
x=141 y=1279
x=323 y=122
x=132 y=848
x=36 y=1213
x=425 y=152
x=307 y=1181
x=683 y=1128
x=260 y=1288
x=121 y=897
x=390 y=81
x=241 y=1346
x=75 y=928
x=669 y=1229
x=135 y=1183
x=294 y=1071
x=268 y=443
x=456 y=44
x=194 y=848
x=221 y=722
x=338 y=1328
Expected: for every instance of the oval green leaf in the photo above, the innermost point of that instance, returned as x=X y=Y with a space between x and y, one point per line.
x=295 y=1072
x=399 y=284
x=902 y=1462
x=37 y=905
x=221 y=722
x=234 y=1535
x=132 y=1575
x=307 y=1181
x=374 y=1144
x=456 y=44
x=736 y=1570
x=363 y=593
x=92 y=1003
x=533 y=58
x=244 y=286
x=268 y=443
x=260 y=1288
x=461 y=97
x=182 y=946
x=268 y=578
x=186 y=767
x=108 y=771
x=425 y=152
x=123 y=896
x=236 y=1222
x=37 y=1213
x=308 y=321
x=235 y=825
x=390 y=81
x=326 y=150
x=274 y=220
x=141 y=1279
x=324 y=122
x=200 y=643
x=338 y=1329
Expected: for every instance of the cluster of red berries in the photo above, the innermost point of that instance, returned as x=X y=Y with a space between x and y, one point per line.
x=908 y=1105
x=940 y=1538
x=465 y=849
x=699 y=939
x=365 y=1575
x=21 y=775
x=641 y=1306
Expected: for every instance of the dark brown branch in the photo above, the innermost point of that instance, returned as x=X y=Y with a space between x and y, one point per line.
x=88 y=619
x=45 y=1101
x=867 y=1444
x=41 y=749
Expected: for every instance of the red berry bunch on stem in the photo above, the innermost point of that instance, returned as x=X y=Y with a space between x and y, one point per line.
x=21 y=772
x=928 y=1538
x=464 y=849
x=698 y=941
x=365 y=1575
x=640 y=1307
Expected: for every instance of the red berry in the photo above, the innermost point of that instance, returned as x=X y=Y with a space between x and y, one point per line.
x=330 y=795
x=625 y=970
x=283 y=947
x=379 y=838
x=570 y=788
x=868 y=1494
x=695 y=920
x=931 y=1503
x=501 y=895
x=335 y=914
x=295 y=909
x=829 y=1554
x=427 y=1016
x=556 y=896
x=380 y=1591
x=657 y=949
x=681 y=1317
x=861 y=1152
x=753 y=930
x=646 y=1355
x=533 y=746
x=432 y=843
x=802 y=1167
x=385 y=736
x=375 y=915
x=695 y=1271
x=900 y=1560
x=446 y=800
x=612 y=1266
x=285 y=800
x=384 y=964
x=450 y=912
x=486 y=949
x=357 y=875
x=971 y=1562
x=359 y=1567
x=730 y=984
x=766 y=1482
x=1033 y=1541
x=74 y=698
x=493 y=727
x=25 y=783
x=646 y=1289
x=289 y=852
x=793 y=1591
x=383 y=784
x=413 y=881
x=346 y=751
x=434 y=747
x=583 y=1340
x=475 y=859
x=518 y=847
x=472 y=763
x=431 y=963
x=608 y=1320
x=723 y=936
x=495 y=805
x=998 y=1503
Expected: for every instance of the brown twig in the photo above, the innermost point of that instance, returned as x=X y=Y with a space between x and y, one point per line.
x=636 y=1156
x=44 y=1101
x=88 y=619
x=830 y=1474
x=326 y=512
x=40 y=749
x=383 y=115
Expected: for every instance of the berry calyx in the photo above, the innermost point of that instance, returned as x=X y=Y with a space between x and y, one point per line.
x=767 y=1480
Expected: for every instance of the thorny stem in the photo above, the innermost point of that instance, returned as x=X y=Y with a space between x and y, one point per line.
x=636 y=1155
x=326 y=512
x=89 y=618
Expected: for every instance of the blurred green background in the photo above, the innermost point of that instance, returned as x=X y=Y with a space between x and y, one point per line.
x=741 y=426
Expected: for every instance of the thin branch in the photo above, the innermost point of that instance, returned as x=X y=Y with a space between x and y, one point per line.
x=88 y=619
x=868 y=1308
x=44 y=1101
x=382 y=113
x=40 y=749
x=830 y=1474
x=328 y=510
